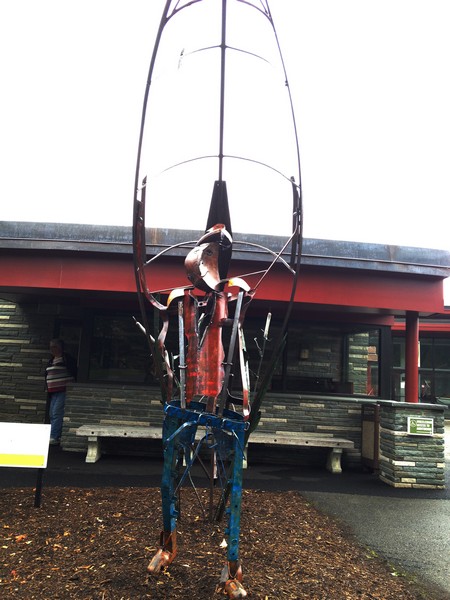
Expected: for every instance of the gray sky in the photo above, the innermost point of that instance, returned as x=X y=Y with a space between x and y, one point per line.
x=371 y=91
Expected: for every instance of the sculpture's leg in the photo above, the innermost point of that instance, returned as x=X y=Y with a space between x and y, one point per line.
x=168 y=541
x=232 y=573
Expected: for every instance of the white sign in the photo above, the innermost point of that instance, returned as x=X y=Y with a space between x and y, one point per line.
x=421 y=426
x=24 y=445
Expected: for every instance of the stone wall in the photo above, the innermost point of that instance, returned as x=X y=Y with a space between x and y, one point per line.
x=25 y=331
x=358 y=363
x=411 y=461
x=89 y=404
x=325 y=416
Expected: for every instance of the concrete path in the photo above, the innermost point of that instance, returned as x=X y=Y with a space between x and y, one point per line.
x=411 y=533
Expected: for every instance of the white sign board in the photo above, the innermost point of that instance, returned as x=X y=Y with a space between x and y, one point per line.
x=24 y=445
x=421 y=426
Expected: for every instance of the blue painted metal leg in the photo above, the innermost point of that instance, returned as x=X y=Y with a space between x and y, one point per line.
x=169 y=475
x=232 y=573
x=168 y=545
x=234 y=522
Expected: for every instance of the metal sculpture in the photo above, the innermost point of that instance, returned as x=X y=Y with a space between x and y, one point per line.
x=205 y=407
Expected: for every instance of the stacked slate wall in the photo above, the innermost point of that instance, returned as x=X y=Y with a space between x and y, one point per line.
x=358 y=362
x=25 y=332
x=93 y=404
x=327 y=416
x=117 y=405
x=411 y=461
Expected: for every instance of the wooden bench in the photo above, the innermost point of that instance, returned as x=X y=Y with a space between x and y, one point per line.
x=94 y=433
x=336 y=445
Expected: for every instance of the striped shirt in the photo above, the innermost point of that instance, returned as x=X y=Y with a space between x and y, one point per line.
x=57 y=376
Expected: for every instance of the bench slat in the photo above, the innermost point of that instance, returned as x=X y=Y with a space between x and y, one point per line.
x=134 y=431
x=288 y=440
x=317 y=441
x=95 y=432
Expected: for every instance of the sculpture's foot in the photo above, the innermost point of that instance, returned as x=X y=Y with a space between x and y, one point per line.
x=234 y=589
x=165 y=554
x=161 y=559
x=231 y=581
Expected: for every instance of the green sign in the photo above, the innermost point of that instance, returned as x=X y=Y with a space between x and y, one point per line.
x=420 y=425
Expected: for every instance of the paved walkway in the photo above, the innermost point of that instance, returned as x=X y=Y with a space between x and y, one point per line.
x=410 y=528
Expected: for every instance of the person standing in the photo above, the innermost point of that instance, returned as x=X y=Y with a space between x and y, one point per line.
x=61 y=369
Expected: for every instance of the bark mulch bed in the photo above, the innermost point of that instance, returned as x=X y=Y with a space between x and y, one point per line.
x=96 y=544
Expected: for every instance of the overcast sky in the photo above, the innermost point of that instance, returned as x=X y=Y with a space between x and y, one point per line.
x=371 y=90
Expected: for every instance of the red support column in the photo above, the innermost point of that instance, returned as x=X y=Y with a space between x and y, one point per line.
x=412 y=357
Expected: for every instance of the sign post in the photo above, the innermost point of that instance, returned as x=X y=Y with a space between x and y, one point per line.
x=25 y=445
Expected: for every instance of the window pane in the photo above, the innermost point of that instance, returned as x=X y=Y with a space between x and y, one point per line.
x=441 y=354
x=426 y=386
x=259 y=350
x=363 y=362
x=442 y=385
x=426 y=353
x=398 y=386
x=331 y=360
x=434 y=370
x=313 y=359
x=119 y=351
x=70 y=333
x=399 y=352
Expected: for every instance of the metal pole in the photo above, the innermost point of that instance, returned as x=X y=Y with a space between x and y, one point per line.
x=222 y=86
x=38 y=492
x=231 y=347
x=182 y=355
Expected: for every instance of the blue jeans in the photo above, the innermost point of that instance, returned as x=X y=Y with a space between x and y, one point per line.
x=56 y=413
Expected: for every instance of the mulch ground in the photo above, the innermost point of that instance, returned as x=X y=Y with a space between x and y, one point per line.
x=96 y=544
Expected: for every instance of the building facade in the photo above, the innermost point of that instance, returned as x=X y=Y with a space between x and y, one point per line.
x=360 y=311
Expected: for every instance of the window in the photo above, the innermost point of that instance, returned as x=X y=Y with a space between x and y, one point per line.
x=399 y=352
x=119 y=351
x=442 y=385
x=362 y=362
x=317 y=358
x=441 y=354
x=426 y=353
x=70 y=332
x=331 y=360
x=434 y=368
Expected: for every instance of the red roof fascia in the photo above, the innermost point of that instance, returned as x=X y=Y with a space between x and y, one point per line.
x=333 y=287
x=425 y=327
x=339 y=287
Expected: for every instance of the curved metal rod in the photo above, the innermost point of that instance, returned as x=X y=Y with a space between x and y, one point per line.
x=229 y=48
x=264 y=272
x=225 y=156
x=190 y=243
x=168 y=249
x=277 y=255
